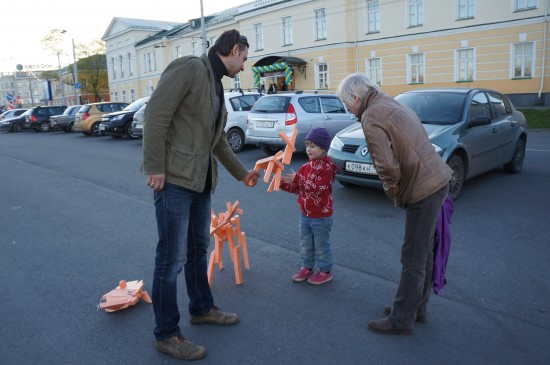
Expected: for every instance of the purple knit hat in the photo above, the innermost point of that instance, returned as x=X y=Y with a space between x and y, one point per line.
x=321 y=137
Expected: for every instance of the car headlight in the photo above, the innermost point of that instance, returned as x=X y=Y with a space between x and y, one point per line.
x=336 y=144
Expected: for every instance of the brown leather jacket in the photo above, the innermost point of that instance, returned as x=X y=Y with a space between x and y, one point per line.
x=404 y=157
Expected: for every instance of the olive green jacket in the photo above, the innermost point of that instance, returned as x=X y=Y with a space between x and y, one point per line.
x=178 y=127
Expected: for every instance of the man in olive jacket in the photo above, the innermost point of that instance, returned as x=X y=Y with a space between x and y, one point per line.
x=183 y=138
x=415 y=178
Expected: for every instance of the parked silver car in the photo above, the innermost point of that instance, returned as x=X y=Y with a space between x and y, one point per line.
x=304 y=111
x=238 y=105
x=137 y=123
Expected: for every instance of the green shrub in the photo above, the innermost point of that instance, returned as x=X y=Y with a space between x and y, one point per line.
x=537 y=118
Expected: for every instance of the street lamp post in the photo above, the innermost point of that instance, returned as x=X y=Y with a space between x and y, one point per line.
x=60 y=80
x=76 y=84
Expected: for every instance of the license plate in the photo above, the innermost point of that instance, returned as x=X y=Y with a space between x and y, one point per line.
x=265 y=124
x=361 y=168
x=101 y=128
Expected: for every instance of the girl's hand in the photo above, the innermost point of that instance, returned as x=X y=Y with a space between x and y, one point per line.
x=289 y=178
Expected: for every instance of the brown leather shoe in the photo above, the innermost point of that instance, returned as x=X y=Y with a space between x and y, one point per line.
x=216 y=316
x=420 y=317
x=180 y=348
x=385 y=326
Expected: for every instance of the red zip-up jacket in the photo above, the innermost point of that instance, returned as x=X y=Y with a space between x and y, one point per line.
x=313 y=184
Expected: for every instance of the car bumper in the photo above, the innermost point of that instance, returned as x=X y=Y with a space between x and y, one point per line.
x=265 y=141
x=110 y=129
x=138 y=129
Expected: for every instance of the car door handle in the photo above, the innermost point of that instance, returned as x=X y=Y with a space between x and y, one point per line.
x=327 y=117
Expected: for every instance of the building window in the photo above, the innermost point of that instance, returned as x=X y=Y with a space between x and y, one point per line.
x=121 y=64
x=416 y=68
x=115 y=96
x=259 y=31
x=177 y=52
x=416 y=13
x=154 y=59
x=124 y=96
x=374 y=70
x=320 y=24
x=113 y=67
x=321 y=76
x=373 y=16
x=130 y=66
x=464 y=64
x=525 y=4
x=465 y=9
x=194 y=49
x=523 y=58
x=236 y=82
x=132 y=95
x=287 y=30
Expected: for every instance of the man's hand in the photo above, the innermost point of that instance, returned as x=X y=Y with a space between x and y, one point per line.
x=251 y=178
x=156 y=182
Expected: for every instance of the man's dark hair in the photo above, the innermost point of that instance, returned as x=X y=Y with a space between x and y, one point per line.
x=227 y=41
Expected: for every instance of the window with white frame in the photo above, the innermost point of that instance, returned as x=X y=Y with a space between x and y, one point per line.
x=416 y=12
x=212 y=41
x=259 y=32
x=321 y=76
x=465 y=9
x=320 y=24
x=416 y=68
x=147 y=62
x=132 y=95
x=236 y=82
x=523 y=60
x=123 y=96
x=121 y=64
x=287 y=30
x=194 y=49
x=525 y=4
x=151 y=89
x=113 y=67
x=154 y=59
x=115 y=95
x=130 y=66
x=374 y=70
x=177 y=52
x=464 y=64
x=373 y=16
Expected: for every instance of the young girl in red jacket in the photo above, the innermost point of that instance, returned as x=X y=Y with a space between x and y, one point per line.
x=313 y=184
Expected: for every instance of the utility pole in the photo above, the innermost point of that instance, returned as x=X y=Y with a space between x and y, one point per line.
x=203 y=31
x=76 y=84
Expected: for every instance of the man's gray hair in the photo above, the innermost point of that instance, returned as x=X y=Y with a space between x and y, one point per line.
x=355 y=85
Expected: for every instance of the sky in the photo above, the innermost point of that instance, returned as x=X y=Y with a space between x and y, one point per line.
x=27 y=23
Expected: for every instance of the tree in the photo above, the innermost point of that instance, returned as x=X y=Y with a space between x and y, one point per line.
x=92 y=67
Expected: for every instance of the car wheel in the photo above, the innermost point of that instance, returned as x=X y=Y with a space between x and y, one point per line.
x=514 y=166
x=44 y=127
x=69 y=128
x=16 y=127
x=95 y=130
x=129 y=131
x=235 y=138
x=457 y=180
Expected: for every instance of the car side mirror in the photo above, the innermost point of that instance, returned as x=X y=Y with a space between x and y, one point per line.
x=480 y=120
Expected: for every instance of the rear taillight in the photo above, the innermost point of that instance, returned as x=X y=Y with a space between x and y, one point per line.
x=291 y=117
x=33 y=118
x=85 y=116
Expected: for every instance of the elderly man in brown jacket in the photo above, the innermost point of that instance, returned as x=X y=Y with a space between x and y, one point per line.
x=183 y=138
x=415 y=178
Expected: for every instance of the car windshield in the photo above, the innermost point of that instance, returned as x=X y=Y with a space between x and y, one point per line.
x=136 y=104
x=272 y=104
x=442 y=108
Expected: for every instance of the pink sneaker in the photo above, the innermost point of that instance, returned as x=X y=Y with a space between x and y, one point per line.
x=320 y=278
x=302 y=275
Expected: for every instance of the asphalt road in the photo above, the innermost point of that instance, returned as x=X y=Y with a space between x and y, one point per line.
x=76 y=217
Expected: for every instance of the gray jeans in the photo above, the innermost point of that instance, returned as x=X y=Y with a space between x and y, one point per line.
x=417 y=259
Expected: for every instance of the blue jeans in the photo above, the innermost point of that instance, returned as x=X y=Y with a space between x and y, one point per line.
x=183 y=223
x=315 y=242
x=417 y=260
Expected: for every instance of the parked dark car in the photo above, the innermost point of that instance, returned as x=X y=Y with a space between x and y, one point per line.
x=474 y=131
x=119 y=124
x=64 y=121
x=8 y=114
x=39 y=116
x=15 y=124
